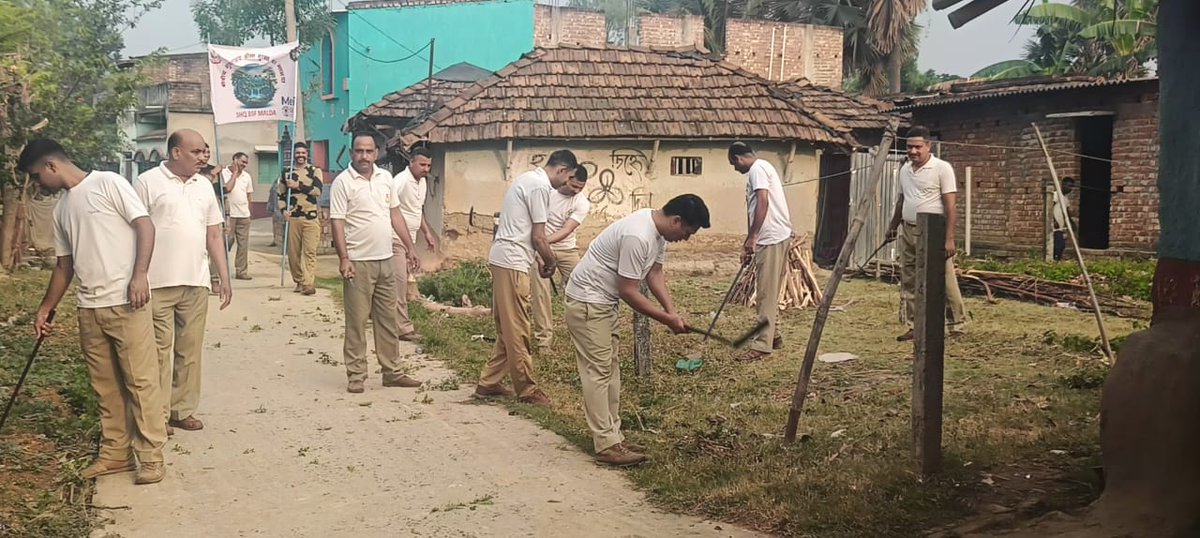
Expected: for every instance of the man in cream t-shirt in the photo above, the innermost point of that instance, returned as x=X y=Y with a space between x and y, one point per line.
x=187 y=221
x=520 y=232
x=103 y=235
x=567 y=210
x=629 y=251
x=767 y=243
x=409 y=187
x=927 y=185
x=238 y=188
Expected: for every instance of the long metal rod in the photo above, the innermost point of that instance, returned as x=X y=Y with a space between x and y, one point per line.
x=712 y=324
x=20 y=382
x=1087 y=278
x=814 y=339
x=225 y=240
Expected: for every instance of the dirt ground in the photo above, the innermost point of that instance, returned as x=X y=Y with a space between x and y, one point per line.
x=287 y=452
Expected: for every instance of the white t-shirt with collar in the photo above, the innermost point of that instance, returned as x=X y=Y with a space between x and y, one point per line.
x=238 y=199
x=411 y=194
x=563 y=208
x=182 y=209
x=526 y=203
x=628 y=248
x=92 y=225
x=365 y=203
x=777 y=227
x=923 y=188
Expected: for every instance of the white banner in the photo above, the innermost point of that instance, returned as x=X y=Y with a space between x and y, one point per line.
x=253 y=84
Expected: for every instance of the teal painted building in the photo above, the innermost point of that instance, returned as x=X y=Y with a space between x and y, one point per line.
x=380 y=47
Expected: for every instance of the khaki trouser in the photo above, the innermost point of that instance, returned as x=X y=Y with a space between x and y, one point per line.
x=770 y=266
x=303 y=236
x=241 y=236
x=540 y=295
x=404 y=324
x=910 y=235
x=118 y=344
x=371 y=293
x=510 y=310
x=180 y=315
x=593 y=330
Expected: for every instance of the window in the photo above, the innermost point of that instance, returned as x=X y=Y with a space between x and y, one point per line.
x=686 y=166
x=327 y=67
x=268 y=167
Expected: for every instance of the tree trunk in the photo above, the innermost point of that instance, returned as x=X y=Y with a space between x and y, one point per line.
x=9 y=225
x=895 y=64
x=1150 y=409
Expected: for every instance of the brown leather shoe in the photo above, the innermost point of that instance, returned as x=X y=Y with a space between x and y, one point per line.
x=619 y=456
x=905 y=337
x=633 y=447
x=308 y=291
x=170 y=430
x=299 y=288
x=101 y=467
x=355 y=387
x=537 y=397
x=777 y=343
x=402 y=381
x=243 y=276
x=190 y=424
x=411 y=337
x=151 y=472
x=492 y=391
x=752 y=356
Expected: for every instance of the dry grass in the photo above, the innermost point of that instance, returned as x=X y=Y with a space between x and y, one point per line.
x=1012 y=396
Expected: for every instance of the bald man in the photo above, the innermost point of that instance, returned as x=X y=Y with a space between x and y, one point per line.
x=188 y=220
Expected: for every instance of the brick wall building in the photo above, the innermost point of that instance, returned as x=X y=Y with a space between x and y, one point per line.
x=573 y=26
x=662 y=31
x=782 y=51
x=1116 y=122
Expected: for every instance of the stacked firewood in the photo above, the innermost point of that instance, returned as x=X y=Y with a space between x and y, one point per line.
x=800 y=289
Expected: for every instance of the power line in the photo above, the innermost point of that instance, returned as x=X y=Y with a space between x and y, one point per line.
x=373 y=59
x=382 y=32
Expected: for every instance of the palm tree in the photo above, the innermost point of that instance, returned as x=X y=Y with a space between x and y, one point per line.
x=890 y=24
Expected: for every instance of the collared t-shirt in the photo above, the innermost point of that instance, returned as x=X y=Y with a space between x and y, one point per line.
x=923 y=188
x=365 y=203
x=1060 y=212
x=92 y=225
x=238 y=199
x=411 y=194
x=182 y=209
x=562 y=209
x=526 y=203
x=627 y=248
x=777 y=227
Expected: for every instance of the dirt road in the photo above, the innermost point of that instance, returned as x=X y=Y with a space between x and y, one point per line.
x=286 y=451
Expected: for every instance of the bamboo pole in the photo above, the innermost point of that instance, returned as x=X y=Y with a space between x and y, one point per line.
x=1087 y=278
x=814 y=338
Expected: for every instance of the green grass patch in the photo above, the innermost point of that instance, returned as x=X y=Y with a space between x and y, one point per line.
x=1129 y=278
x=1017 y=402
x=469 y=278
x=52 y=430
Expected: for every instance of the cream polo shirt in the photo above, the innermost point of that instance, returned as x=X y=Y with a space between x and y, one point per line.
x=628 y=248
x=92 y=225
x=562 y=209
x=923 y=188
x=777 y=226
x=239 y=198
x=365 y=203
x=182 y=209
x=525 y=204
x=411 y=194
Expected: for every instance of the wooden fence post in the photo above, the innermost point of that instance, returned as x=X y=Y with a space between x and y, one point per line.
x=641 y=340
x=929 y=343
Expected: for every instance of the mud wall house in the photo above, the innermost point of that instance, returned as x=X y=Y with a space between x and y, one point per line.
x=1103 y=133
x=177 y=96
x=649 y=125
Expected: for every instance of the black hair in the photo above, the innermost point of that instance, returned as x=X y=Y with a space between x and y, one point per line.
x=174 y=140
x=690 y=208
x=1068 y=183
x=39 y=149
x=299 y=145
x=374 y=139
x=421 y=151
x=239 y=155
x=739 y=148
x=581 y=174
x=562 y=157
x=918 y=131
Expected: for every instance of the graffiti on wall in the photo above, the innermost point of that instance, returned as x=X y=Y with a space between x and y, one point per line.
x=616 y=182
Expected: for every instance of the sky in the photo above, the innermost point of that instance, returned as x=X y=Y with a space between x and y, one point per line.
x=982 y=42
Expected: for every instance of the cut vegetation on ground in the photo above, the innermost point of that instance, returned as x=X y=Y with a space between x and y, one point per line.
x=51 y=433
x=1021 y=413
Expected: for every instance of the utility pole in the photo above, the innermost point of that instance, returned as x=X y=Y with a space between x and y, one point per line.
x=289 y=7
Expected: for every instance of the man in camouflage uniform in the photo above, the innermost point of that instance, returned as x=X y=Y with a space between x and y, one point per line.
x=304 y=226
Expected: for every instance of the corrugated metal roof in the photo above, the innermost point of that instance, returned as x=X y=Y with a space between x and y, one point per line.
x=960 y=92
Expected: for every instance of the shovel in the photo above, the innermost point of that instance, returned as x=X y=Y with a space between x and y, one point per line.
x=696 y=355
